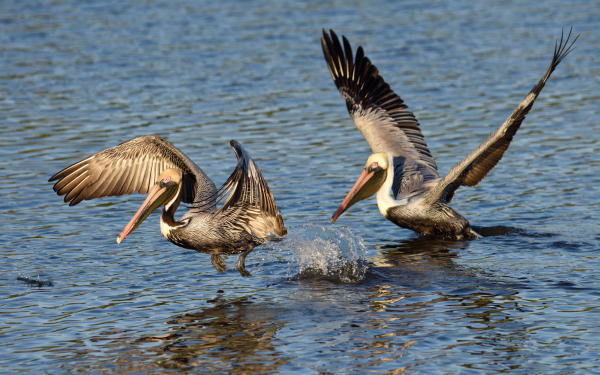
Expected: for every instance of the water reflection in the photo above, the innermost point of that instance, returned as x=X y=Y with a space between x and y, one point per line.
x=418 y=247
x=410 y=302
x=419 y=255
x=406 y=317
x=232 y=336
x=77 y=76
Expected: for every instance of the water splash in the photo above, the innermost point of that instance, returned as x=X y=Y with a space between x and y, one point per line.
x=324 y=252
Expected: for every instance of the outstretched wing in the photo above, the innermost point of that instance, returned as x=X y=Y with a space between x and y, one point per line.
x=250 y=204
x=380 y=114
x=478 y=163
x=132 y=166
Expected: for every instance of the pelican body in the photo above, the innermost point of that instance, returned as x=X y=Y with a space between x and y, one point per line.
x=248 y=216
x=401 y=172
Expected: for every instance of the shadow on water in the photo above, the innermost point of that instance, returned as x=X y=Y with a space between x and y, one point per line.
x=502 y=230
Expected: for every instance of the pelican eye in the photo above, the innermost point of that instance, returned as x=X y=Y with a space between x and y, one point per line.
x=164 y=182
x=374 y=167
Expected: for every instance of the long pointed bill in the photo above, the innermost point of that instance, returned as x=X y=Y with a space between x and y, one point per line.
x=352 y=196
x=157 y=196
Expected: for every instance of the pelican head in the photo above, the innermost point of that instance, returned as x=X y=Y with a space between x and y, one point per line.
x=368 y=183
x=165 y=191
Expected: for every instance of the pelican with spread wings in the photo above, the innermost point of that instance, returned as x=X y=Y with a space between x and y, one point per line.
x=401 y=171
x=151 y=165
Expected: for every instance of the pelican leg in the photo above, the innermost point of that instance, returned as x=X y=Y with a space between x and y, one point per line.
x=218 y=262
x=241 y=263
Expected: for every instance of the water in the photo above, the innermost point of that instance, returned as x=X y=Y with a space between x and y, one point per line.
x=360 y=296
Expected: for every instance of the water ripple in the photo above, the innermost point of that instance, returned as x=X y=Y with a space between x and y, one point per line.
x=77 y=77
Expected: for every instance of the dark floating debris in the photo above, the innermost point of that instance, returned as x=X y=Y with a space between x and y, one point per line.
x=37 y=282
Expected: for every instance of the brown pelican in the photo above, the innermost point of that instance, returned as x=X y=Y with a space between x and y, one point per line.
x=401 y=171
x=150 y=164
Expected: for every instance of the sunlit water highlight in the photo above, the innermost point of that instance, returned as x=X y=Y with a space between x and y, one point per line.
x=78 y=77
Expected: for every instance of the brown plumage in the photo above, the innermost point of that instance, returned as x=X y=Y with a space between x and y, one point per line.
x=401 y=170
x=151 y=165
x=130 y=167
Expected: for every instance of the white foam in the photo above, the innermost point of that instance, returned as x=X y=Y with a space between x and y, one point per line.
x=327 y=252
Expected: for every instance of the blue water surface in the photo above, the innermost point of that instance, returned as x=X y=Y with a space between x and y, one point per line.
x=360 y=296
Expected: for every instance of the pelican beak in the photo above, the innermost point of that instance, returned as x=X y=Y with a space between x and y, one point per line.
x=363 y=188
x=157 y=196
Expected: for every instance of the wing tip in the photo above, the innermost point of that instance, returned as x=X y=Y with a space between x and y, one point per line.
x=239 y=150
x=328 y=35
x=563 y=46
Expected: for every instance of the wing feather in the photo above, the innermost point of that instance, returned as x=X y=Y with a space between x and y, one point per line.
x=380 y=114
x=132 y=166
x=75 y=186
x=478 y=163
x=250 y=203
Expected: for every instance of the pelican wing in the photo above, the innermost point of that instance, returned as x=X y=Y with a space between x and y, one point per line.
x=250 y=204
x=132 y=166
x=378 y=112
x=478 y=163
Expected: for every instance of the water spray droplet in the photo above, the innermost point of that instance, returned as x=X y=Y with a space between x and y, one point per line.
x=325 y=252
